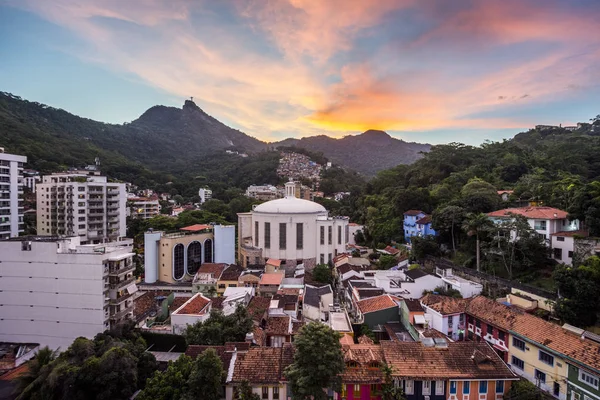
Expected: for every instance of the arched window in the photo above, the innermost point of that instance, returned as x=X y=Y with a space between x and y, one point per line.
x=178 y=261
x=208 y=253
x=194 y=257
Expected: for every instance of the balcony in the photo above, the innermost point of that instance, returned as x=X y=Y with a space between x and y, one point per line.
x=124 y=269
x=121 y=284
x=121 y=314
x=119 y=300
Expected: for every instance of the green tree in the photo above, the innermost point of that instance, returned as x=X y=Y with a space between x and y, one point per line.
x=219 y=329
x=479 y=196
x=322 y=273
x=424 y=246
x=170 y=384
x=205 y=379
x=318 y=361
x=387 y=261
x=43 y=357
x=448 y=220
x=389 y=391
x=477 y=225
x=245 y=392
x=579 y=292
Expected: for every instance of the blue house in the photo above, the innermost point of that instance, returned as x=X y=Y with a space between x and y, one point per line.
x=417 y=223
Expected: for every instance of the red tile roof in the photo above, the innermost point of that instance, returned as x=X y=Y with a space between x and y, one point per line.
x=537 y=330
x=391 y=250
x=231 y=273
x=460 y=360
x=531 y=213
x=413 y=212
x=257 y=307
x=363 y=363
x=274 y=261
x=216 y=270
x=197 y=305
x=263 y=365
x=15 y=372
x=196 y=228
x=271 y=279
x=425 y=220
x=445 y=305
x=580 y=232
x=378 y=303
x=279 y=326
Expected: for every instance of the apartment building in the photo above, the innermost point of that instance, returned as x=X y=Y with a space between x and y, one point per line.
x=87 y=206
x=205 y=194
x=11 y=190
x=54 y=290
x=143 y=207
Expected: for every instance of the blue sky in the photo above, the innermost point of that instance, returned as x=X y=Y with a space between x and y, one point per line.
x=425 y=71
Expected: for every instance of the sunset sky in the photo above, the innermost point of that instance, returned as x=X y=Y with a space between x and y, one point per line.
x=425 y=71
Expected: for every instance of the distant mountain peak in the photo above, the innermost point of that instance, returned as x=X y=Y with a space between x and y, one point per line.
x=375 y=133
x=190 y=105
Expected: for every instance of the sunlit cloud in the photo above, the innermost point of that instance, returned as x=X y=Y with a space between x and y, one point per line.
x=282 y=68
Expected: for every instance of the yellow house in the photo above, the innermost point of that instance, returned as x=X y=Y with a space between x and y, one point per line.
x=534 y=348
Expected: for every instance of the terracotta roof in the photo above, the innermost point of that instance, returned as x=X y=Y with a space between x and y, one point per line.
x=178 y=302
x=15 y=372
x=378 y=303
x=391 y=250
x=289 y=291
x=217 y=302
x=296 y=326
x=340 y=256
x=580 y=232
x=413 y=305
x=239 y=346
x=368 y=359
x=196 y=228
x=537 y=330
x=271 y=279
x=505 y=191
x=531 y=213
x=274 y=261
x=210 y=268
x=257 y=307
x=444 y=305
x=263 y=364
x=197 y=305
x=231 y=273
x=143 y=304
x=432 y=333
x=346 y=339
x=460 y=360
x=425 y=220
x=354 y=224
x=413 y=212
x=260 y=337
x=364 y=339
x=280 y=326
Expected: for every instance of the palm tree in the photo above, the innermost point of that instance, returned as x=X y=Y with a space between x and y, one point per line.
x=476 y=224
x=43 y=357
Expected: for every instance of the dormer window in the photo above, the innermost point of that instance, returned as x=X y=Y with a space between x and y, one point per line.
x=352 y=364
x=374 y=365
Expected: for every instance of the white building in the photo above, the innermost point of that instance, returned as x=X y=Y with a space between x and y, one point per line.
x=565 y=245
x=316 y=302
x=292 y=230
x=196 y=309
x=205 y=195
x=143 y=207
x=445 y=314
x=353 y=228
x=408 y=284
x=262 y=192
x=11 y=190
x=55 y=290
x=81 y=205
x=30 y=179
x=466 y=287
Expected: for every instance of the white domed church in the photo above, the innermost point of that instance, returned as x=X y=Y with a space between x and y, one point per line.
x=292 y=230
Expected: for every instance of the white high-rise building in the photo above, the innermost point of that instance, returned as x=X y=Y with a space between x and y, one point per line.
x=55 y=290
x=205 y=195
x=81 y=205
x=11 y=190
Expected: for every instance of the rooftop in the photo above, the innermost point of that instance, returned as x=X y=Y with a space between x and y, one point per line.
x=263 y=365
x=214 y=269
x=232 y=273
x=425 y=220
x=531 y=213
x=413 y=212
x=363 y=363
x=415 y=274
x=413 y=305
x=459 y=360
x=290 y=205
x=377 y=303
x=312 y=294
x=580 y=232
x=273 y=261
x=197 y=305
x=339 y=321
x=274 y=278
x=257 y=307
x=444 y=305
x=280 y=326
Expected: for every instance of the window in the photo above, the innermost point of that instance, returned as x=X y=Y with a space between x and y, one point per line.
x=546 y=358
x=560 y=239
x=356 y=390
x=556 y=389
x=466 y=387
x=351 y=364
x=409 y=387
x=26 y=246
x=588 y=379
x=81 y=219
x=265 y=392
x=256 y=231
x=81 y=226
x=478 y=324
x=452 y=387
x=329 y=258
x=426 y=388
x=570 y=254
x=282 y=235
x=519 y=344
x=518 y=363
x=322 y=259
x=208 y=249
x=557 y=253
x=499 y=386
x=322 y=236
x=575 y=395
x=540 y=376
x=539 y=225
x=275 y=392
x=490 y=329
x=299 y=236
x=482 y=386
x=178 y=261
x=501 y=336
x=194 y=256
x=339 y=235
x=329 y=235
x=439 y=387
x=373 y=388
x=267 y=235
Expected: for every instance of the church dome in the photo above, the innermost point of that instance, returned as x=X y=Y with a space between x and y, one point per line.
x=290 y=205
